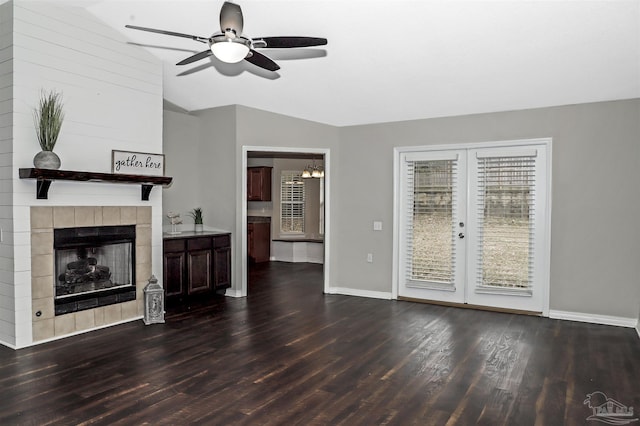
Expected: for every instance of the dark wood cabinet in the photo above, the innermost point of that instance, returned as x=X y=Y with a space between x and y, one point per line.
x=259 y=183
x=196 y=265
x=199 y=271
x=174 y=267
x=259 y=241
x=222 y=263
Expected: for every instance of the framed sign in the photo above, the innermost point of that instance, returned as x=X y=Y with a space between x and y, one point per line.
x=137 y=163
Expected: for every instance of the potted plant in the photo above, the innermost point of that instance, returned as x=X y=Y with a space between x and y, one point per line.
x=196 y=214
x=48 y=118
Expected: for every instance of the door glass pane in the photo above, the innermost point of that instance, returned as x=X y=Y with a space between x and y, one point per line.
x=506 y=228
x=431 y=240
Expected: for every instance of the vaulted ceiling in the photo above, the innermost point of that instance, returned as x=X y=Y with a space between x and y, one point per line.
x=397 y=60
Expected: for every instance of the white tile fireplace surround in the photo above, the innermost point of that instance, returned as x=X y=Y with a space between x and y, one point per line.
x=44 y=220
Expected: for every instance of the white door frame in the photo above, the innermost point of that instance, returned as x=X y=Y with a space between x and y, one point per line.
x=242 y=226
x=397 y=170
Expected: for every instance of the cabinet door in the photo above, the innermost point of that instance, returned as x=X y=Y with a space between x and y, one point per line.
x=261 y=244
x=259 y=184
x=199 y=262
x=174 y=273
x=250 y=239
x=254 y=185
x=222 y=267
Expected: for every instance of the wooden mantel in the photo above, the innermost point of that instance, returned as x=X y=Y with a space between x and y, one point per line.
x=44 y=177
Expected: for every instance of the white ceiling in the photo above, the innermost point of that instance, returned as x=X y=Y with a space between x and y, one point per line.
x=398 y=60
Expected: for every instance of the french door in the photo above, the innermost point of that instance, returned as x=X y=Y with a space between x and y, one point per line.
x=473 y=225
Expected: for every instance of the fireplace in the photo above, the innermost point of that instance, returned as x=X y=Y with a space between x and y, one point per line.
x=94 y=266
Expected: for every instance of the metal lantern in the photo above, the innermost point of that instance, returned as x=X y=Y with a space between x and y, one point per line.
x=153 y=302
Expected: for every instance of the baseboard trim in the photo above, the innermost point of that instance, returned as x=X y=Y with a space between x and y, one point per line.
x=232 y=293
x=594 y=319
x=9 y=345
x=360 y=293
x=638 y=327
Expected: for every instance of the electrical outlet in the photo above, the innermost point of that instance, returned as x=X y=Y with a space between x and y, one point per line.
x=370 y=257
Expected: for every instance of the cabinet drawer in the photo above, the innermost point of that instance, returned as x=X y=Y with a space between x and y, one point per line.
x=172 y=246
x=199 y=243
x=222 y=241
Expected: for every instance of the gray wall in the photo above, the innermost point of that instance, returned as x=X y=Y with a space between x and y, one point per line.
x=261 y=128
x=215 y=172
x=216 y=167
x=595 y=242
x=201 y=159
x=180 y=138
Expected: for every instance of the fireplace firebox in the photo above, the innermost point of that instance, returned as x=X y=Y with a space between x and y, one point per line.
x=94 y=266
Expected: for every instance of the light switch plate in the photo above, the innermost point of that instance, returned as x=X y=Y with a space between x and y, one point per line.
x=377 y=225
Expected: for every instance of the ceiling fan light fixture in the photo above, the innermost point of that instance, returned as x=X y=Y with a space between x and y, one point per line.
x=230 y=51
x=230 y=46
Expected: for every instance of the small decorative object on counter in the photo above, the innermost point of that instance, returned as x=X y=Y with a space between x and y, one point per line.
x=175 y=220
x=153 y=302
x=196 y=214
x=48 y=118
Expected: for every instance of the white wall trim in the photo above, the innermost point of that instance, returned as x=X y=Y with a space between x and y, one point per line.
x=360 y=293
x=594 y=318
x=473 y=145
x=9 y=345
x=638 y=327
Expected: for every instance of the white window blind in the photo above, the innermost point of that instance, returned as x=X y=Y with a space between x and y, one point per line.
x=292 y=197
x=429 y=209
x=506 y=214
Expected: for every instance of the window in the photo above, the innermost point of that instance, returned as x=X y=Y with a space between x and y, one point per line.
x=292 y=202
x=430 y=213
x=506 y=220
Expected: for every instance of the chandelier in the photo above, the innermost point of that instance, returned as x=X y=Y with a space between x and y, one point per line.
x=313 y=171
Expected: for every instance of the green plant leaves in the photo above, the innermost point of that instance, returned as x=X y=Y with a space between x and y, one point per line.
x=48 y=118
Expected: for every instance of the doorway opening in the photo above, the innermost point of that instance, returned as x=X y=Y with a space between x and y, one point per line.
x=285 y=207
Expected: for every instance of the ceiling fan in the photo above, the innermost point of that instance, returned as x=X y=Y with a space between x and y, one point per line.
x=231 y=46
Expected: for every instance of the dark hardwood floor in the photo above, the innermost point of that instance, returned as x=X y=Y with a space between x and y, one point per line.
x=288 y=354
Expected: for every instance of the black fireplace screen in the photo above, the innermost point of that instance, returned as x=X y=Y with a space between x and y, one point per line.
x=95 y=266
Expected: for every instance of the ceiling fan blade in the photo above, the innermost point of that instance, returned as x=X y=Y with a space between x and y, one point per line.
x=196 y=57
x=231 y=18
x=286 y=42
x=262 y=61
x=171 y=33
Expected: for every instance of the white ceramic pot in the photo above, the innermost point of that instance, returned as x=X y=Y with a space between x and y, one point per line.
x=46 y=160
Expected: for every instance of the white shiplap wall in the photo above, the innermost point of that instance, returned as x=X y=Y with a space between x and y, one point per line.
x=7 y=291
x=113 y=100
